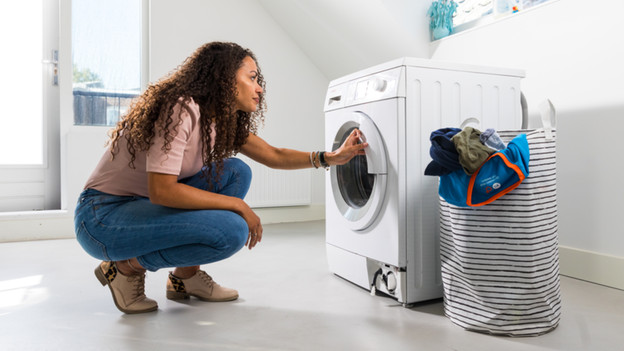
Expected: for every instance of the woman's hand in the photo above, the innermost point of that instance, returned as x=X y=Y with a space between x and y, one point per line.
x=253 y=222
x=351 y=147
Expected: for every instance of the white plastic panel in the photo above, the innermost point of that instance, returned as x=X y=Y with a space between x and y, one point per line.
x=375 y=87
x=368 y=234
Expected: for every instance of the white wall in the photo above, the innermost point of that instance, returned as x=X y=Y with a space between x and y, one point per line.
x=573 y=55
x=344 y=36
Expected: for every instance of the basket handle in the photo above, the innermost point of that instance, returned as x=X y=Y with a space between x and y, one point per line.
x=549 y=117
x=468 y=121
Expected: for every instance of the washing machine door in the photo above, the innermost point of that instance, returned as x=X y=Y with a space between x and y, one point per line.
x=359 y=186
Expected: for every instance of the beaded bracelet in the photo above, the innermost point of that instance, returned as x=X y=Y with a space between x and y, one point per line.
x=312 y=159
x=318 y=157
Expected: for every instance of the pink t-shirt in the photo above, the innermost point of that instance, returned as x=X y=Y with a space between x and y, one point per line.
x=184 y=159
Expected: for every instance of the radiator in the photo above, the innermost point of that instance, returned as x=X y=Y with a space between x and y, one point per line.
x=22 y=188
x=275 y=188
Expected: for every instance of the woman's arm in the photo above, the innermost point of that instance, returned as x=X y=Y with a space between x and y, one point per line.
x=165 y=190
x=260 y=151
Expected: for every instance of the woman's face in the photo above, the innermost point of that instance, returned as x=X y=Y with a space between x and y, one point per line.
x=247 y=88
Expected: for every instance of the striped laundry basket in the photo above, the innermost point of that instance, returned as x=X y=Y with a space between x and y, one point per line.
x=500 y=262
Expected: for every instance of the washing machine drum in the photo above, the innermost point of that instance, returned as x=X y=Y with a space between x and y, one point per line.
x=359 y=186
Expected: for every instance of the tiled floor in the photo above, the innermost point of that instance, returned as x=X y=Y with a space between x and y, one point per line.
x=50 y=300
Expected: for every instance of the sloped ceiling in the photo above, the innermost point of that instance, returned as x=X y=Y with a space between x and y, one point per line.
x=343 y=36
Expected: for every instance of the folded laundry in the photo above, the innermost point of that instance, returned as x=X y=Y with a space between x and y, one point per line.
x=472 y=152
x=443 y=153
x=491 y=139
x=501 y=173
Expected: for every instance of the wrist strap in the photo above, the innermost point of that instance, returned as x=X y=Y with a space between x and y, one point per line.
x=324 y=163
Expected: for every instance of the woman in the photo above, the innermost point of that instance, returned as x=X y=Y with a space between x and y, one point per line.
x=167 y=193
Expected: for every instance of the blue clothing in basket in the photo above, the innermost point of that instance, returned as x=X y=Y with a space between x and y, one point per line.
x=499 y=174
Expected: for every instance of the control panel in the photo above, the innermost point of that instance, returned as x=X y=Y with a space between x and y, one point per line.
x=374 y=87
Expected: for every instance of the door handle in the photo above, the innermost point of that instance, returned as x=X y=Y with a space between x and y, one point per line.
x=376 y=151
x=54 y=62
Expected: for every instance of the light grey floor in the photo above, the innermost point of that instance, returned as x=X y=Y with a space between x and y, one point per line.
x=50 y=300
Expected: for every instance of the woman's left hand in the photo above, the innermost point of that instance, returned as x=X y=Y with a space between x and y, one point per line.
x=351 y=147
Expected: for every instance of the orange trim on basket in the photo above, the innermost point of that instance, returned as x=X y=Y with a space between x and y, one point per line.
x=509 y=188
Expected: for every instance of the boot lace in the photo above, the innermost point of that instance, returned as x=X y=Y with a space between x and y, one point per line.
x=207 y=279
x=138 y=284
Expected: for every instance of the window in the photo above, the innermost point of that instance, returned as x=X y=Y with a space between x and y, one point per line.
x=452 y=16
x=29 y=96
x=21 y=94
x=106 y=59
x=470 y=12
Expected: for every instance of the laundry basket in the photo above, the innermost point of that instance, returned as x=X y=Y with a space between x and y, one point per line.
x=500 y=262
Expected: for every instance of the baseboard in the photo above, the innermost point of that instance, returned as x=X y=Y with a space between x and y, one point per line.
x=36 y=225
x=47 y=225
x=306 y=213
x=594 y=267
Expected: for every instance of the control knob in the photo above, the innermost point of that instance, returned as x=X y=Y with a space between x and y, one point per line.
x=379 y=84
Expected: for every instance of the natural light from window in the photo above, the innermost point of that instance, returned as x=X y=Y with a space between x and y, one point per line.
x=21 y=91
x=21 y=291
x=106 y=59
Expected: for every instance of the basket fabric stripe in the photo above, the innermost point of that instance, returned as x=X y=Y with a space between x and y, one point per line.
x=500 y=262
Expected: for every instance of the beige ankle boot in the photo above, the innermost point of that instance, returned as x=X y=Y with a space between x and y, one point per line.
x=201 y=286
x=128 y=291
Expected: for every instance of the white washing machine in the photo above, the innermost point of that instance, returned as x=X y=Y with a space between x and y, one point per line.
x=382 y=224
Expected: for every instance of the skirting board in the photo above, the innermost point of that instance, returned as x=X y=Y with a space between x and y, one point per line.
x=36 y=225
x=48 y=225
x=594 y=267
x=290 y=214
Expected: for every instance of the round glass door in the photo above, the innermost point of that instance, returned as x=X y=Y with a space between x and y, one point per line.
x=359 y=185
x=354 y=182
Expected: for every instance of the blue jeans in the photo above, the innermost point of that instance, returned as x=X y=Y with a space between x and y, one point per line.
x=114 y=228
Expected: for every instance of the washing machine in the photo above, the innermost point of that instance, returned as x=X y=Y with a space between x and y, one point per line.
x=382 y=223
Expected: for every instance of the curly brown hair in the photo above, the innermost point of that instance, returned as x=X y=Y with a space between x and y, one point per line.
x=208 y=76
